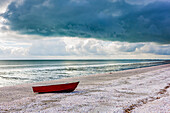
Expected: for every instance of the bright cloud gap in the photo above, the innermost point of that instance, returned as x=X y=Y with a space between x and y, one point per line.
x=86 y=48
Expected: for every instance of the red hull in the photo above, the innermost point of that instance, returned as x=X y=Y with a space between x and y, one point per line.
x=69 y=87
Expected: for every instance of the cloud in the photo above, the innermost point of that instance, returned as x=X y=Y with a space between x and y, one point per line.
x=4 y=4
x=48 y=48
x=12 y=52
x=144 y=2
x=92 y=47
x=155 y=49
x=89 y=47
x=113 y=20
x=68 y=47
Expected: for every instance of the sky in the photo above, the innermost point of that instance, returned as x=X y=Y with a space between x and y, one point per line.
x=84 y=29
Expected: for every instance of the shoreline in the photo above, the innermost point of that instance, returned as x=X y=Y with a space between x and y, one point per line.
x=94 y=84
x=140 y=69
x=14 y=77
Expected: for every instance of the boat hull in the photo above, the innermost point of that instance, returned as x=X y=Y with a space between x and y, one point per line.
x=59 y=88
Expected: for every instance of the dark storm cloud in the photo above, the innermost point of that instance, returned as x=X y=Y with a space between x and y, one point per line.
x=114 y=20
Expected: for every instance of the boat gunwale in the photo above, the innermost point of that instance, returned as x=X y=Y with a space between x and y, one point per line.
x=44 y=85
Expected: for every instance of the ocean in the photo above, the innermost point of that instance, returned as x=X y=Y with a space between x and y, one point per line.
x=14 y=72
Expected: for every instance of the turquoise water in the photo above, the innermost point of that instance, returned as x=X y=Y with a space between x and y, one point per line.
x=14 y=72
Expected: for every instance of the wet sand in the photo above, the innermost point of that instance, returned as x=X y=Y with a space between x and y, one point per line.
x=110 y=92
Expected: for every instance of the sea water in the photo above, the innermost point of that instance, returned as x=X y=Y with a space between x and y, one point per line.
x=14 y=72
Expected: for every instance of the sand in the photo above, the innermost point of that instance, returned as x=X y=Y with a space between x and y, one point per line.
x=161 y=105
x=123 y=91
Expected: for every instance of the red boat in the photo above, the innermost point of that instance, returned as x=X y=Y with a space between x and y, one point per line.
x=59 y=88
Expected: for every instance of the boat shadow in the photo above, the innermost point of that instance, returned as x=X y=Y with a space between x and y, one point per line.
x=64 y=92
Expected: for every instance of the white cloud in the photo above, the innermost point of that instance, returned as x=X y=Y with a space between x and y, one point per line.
x=4 y=4
x=85 y=47
x=155 y=49
x=48 y=47
x=12 y=52
x=92 y=47
x=69 y=47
